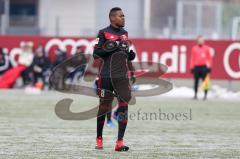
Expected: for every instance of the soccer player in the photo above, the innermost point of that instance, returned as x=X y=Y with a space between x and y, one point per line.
x=108 y=39
x=200 y=63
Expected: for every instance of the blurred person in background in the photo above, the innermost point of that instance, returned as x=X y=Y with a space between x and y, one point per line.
x=40 y=67
x=4 y=61
x=60 y=56
x=75 y=73
x=26 y=58
x=200 y=63
x=23 y=67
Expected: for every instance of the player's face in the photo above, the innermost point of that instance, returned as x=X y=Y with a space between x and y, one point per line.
x=119 y=19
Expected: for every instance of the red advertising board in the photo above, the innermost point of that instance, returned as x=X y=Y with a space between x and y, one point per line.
x=174 y=53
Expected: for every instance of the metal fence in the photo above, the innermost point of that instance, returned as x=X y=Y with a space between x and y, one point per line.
x=186 y=19
x=213 y=19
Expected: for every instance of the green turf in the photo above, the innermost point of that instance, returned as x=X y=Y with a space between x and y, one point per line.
x=29 y=128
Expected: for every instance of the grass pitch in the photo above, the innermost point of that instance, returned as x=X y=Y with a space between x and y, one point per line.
x=29 y=128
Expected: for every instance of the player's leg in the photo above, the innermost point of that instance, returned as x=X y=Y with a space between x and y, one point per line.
x=122 y=89
x=196 y=81
x=105 y=104
x=104 y=107
x=122 y=118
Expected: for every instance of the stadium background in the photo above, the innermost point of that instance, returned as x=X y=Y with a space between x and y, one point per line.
x=148 y=21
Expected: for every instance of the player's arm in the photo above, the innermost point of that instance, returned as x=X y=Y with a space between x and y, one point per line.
x=131 y=56
x=131 y=69
x=130 y=52
x=98 y=50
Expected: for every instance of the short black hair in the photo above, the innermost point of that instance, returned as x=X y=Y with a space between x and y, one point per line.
x=113 y=11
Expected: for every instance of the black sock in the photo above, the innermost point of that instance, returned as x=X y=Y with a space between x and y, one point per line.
x=102 y=111
x=122 y=116
x=100 y=124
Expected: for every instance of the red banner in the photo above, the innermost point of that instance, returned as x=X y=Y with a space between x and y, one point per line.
x=174 y=53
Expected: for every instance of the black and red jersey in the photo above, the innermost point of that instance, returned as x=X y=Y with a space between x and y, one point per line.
x=108 y=33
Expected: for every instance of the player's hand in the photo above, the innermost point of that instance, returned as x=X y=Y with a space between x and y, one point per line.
x=192 y=71
x=132 y=78
x=123 y=45
x=131 y=55
x=209 y=70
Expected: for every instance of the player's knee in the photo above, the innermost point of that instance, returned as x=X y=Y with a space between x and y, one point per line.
x=103 y=109
x=125 y=97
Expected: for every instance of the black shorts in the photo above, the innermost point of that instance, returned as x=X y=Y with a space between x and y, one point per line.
x=107 y=88
x=200 y=71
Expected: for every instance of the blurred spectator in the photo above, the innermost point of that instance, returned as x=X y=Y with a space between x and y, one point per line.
x=200 y=63
x=26 y=58
x=76 y=70
x=80 y=50
x=40 y=67
x=60 y=56
x=4 y=61
x=41 y=49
